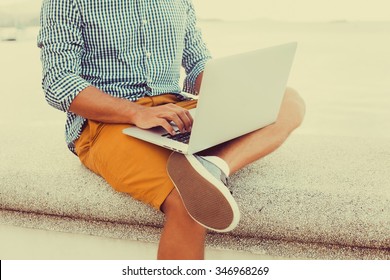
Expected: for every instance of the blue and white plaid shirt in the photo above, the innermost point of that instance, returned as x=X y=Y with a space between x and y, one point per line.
x=127 y=48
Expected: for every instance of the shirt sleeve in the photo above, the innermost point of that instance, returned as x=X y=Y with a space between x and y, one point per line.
x=195 y=53
x=61 y=43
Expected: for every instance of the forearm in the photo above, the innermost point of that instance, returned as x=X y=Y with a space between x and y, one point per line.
x=91 y=103
x=198 y=83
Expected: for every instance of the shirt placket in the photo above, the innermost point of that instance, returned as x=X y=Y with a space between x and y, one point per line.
x=146 y=46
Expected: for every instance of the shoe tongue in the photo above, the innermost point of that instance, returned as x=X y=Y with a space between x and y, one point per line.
x=224 y=179
x=213 y=169
x=218 y=162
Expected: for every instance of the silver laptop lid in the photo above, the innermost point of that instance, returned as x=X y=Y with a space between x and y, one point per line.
x=255 y=81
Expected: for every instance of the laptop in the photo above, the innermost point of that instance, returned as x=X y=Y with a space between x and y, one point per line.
x=239 y=94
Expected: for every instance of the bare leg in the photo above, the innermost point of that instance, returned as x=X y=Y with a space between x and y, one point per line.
x=244 y=150
x=182 y=238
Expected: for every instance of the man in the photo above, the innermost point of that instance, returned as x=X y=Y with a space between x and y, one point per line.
x=112 y=63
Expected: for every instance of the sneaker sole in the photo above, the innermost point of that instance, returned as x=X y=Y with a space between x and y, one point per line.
x=206 y=199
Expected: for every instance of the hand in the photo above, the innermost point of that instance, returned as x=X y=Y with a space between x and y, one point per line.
x=148 y=117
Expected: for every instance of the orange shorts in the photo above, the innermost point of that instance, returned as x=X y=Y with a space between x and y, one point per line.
x=129 y=165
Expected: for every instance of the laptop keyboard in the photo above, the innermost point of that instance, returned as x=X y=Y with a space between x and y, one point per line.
x=180 y=137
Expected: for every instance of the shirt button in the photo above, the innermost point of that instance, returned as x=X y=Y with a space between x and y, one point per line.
x=148 y=54
x=144 y=22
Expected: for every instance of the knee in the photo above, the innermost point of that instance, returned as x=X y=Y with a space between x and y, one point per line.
x=296 y=103
x=174 y=207
x=294 y=96
x=176 y=213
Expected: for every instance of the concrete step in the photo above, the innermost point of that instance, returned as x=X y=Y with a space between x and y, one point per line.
x=314 y=191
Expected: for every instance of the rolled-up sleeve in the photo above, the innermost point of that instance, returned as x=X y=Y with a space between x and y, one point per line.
x=196 y=53
x=61 y=43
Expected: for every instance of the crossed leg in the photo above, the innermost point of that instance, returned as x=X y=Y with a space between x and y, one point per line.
x=246 y=149
x=182 y=237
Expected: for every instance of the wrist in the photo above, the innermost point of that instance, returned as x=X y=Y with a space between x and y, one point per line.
x=131 y=112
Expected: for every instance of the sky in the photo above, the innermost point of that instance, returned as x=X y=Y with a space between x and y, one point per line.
x=296 y=10
x=290 y=10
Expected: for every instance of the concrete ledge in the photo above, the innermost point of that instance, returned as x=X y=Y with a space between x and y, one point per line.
x=227 y=246
x=319 y=196
x=316 y=197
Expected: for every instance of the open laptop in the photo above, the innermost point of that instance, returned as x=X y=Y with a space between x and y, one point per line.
x=239 y=94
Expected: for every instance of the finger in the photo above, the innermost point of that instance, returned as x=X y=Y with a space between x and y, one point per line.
x=186 y=119
x=191 y=120
x=167 y=126
x=173 y=113
x=177 y=120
